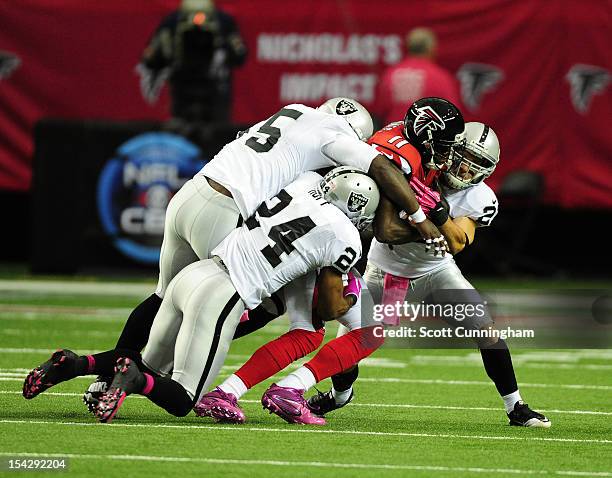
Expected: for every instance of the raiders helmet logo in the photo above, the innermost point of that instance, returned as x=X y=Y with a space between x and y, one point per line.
x=586 y=81
x=476 y=79
x=345 y=108
x=357 y=201
x=9 y=62
x=427 y=118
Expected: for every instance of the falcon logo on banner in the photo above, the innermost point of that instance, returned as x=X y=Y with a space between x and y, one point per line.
x=586 y=81
x=427 y=118
x=9 y=62
x=476 y=79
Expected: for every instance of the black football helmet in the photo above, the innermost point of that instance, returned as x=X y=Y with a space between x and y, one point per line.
x=436 y=127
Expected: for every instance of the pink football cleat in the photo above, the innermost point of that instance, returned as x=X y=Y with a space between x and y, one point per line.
x=220 y=406
x=59 y=368
x=289 y=404
x=128 y=379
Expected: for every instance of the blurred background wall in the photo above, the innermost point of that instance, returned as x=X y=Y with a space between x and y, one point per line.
x=537 y=71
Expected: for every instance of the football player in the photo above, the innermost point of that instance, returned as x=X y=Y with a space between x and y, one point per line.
x=254 y=168
x=304 y=304
x=311 y=224
x=435 y=129
x=399 y=270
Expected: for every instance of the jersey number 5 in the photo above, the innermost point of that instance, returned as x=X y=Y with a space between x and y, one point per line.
x=273 y=132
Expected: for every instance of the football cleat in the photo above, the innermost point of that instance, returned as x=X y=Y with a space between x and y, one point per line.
x=59 y=368
x=289 y=404
x=523 y=416
x=324 y=402
x=128 y=379
x=95 y=390
x=221 y=406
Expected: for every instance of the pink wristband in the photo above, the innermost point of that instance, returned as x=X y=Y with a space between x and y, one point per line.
x=353 y=287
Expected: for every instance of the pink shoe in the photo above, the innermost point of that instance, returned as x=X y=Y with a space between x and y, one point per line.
x=289 y=404
x=220 y=406
x=128 y=379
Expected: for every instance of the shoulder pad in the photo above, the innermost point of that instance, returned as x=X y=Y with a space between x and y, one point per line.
x=478 y=203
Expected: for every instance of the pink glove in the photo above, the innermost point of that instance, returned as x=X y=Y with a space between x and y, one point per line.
x=427 y=197
x=353 y=287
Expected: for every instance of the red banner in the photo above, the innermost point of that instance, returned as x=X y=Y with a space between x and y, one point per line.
x=539 y=76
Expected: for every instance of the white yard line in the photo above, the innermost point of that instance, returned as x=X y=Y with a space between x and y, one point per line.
x=476 y=382
x=297 y=464
x=34 y=312
x=10 y=350
x=310 y=430
x=373 y=405
x=459 y=363
x=128 y=289
x=24 y=350
x=433 y=381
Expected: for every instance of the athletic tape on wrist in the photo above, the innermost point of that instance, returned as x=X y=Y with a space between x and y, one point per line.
x=418 y=216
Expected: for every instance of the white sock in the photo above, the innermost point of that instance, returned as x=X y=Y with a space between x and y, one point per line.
x=302 y=379
x=510 y=400
x=233 y=384
x=341 y=397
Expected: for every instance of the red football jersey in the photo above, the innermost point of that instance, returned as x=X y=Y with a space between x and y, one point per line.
x=391 y=142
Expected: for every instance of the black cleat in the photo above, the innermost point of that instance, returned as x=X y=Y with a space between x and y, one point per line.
x=59 y=368
x=324 y=402
x=523 y=416
x=95 y=391
x=128 y=379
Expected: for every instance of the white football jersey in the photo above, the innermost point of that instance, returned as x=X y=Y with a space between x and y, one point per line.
x=271 y=154
x=291 y=234
x=411 y=259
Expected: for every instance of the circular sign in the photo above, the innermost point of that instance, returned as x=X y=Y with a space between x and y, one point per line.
x=134 y=189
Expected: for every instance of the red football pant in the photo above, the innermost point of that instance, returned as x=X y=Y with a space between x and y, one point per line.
x=277 y=354
x=343 y=352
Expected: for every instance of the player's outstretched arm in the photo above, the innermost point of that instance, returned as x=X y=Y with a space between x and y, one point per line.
x=459 y=233
x=393 y=184
x=389 y=228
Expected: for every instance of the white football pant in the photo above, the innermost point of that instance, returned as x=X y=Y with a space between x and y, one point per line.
x=198 y=218
x=194 y=327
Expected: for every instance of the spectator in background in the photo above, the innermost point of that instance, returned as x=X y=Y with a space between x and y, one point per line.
x=195 y=49
x=415 y=77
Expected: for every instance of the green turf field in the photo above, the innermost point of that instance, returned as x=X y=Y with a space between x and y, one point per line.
x=416 y=413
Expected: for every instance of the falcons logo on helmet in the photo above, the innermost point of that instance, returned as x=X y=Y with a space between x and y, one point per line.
x=9 y=62
x=427 y=118
x=476 y=79
x=585 y=81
